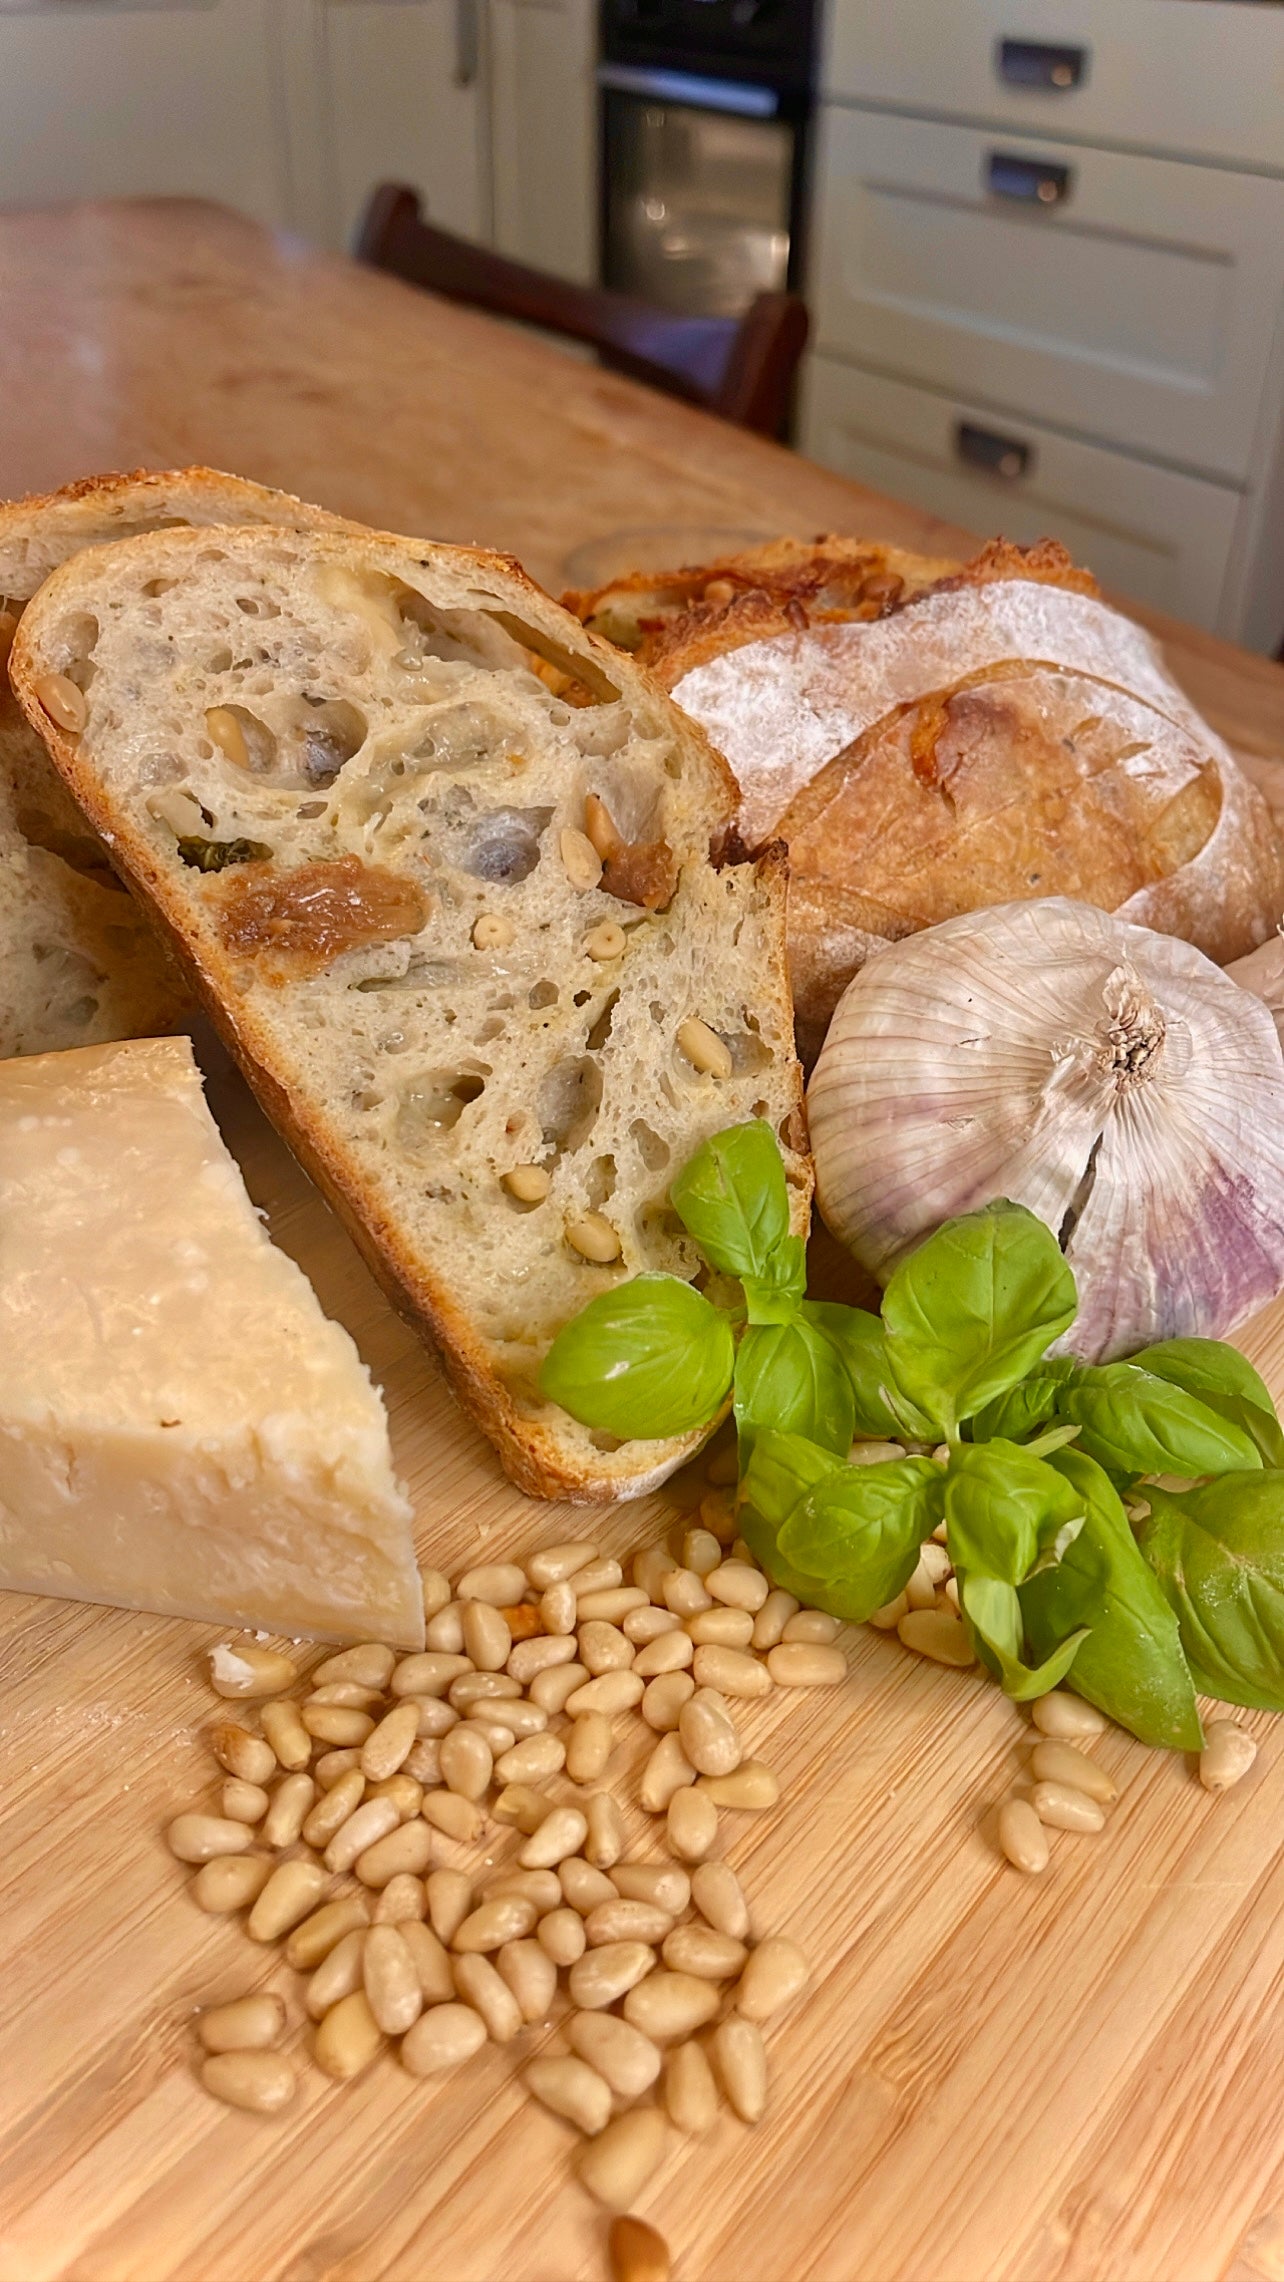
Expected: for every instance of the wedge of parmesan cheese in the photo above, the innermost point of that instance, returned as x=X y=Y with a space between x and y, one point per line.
x=181 y=1428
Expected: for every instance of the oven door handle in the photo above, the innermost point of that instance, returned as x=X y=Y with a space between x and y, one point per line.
x=686 y=87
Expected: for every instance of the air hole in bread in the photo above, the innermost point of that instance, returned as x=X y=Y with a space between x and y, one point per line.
x=651 y=1146
x=542 y=994
x=584 y=676
x=567 y=1101
x=256 y=605
x=581 y=998
x=748 y=1054
x=79 y=637
x=503 y=845
x=330 y=733
x=434 y=1104
x=601 y=1029
x=599 y=1187
x=601 y=1440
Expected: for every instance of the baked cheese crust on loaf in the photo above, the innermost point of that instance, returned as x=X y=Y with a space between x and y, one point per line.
x=81 y=962
x=368 y=825
x=181 y=1428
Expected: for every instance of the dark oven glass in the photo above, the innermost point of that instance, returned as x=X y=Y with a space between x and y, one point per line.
x=697 y=204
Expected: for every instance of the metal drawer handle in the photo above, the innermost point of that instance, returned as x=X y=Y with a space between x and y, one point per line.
x=1035 y=63
x=998 y=455
x=1031 y=180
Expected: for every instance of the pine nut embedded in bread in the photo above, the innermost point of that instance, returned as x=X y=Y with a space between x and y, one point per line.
x=1228 y=1753
x=690 y=2092
x=606 y=941
x=247 y=2024
x=592 y=1236
x=226 y=732
x=338 y=1974
x=481 y=1986
x=666 y=2006
x=602 y=1975
x=571 y=2089
x=230 y=1882
x=776 y=1973
x=244 y=1670
x=402 y=1901
x=198 y=1838
x=530 y=1184
x=531 y=1974
x=348 y=2039
x=390 y=1980
x=710 y=1956
x=692 y=1824
x=605 y=1842
x=390 y=1744
x=62 y=701
x=561 y=1833
x=935 y=1633
x=628 y=2060
x=314 y=1939
x=1066 y=1809
x=580 y=859
x=443 y=2037
x=291 y=1894
x=806 y=1664
x=1022 y=1837
x=600 y=827
x=720 y=1899
x=741 y=2063
x=242 y=1802
x=1058 y=1762
x=1067 y=1717
x=261 y=2082
x=704 y=1049
x=492 y=931
x=752 y=1787
x=616 y=2165
x=243 y=1754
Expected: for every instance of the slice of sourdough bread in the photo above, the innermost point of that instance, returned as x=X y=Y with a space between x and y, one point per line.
x=81 y=963
x=325 y=763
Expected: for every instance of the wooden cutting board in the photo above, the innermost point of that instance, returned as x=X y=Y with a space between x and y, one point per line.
x=995 y=2079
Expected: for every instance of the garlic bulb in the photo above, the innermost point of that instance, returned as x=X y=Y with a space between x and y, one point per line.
x=1113 y=1080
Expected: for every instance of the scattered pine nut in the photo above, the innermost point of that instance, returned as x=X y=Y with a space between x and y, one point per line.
x=1057 y=1762
x=262 y=2082
x=1022 y=1837
x=1067 y=1809
x=1228 y=1753
x=690 y=2091
x=230 y=1882
x=1068 y=1717
x=776 y=1973
x=637 y=2253
x=247 y=2024
x=250 y=1671
x=573 y=2090
x=616 y=2165
x=741 y=2065
x=443 y=2037
x=348 y=2039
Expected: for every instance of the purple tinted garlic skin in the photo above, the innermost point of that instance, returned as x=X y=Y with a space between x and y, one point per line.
x=1113 y=1080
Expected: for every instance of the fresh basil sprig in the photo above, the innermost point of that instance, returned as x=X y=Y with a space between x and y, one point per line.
x=1029 y=1450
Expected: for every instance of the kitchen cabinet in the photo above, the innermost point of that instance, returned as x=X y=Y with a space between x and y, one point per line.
x=1048 y=283
x=543 y=133
x=403 y=100
x=178 y=98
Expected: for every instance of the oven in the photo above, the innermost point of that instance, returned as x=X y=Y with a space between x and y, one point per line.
x=705 y=115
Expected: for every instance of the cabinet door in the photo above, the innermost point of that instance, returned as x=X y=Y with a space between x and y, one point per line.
x=402 y=85
x=175 y=99
x=544 y=133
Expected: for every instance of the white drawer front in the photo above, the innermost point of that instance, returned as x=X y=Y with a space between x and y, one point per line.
x=1162 y=537
x=1140 y=307
x=1202 y=77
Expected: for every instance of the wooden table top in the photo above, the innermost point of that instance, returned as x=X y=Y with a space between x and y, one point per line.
x=1072 y=2079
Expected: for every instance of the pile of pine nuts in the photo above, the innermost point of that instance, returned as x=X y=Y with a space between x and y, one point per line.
x=351 y=1817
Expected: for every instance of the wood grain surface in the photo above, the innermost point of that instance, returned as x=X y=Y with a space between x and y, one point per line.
x=1072 y=2079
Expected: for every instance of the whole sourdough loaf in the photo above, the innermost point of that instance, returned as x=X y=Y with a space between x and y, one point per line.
x=453 y=927
x=81 y=963
x=931 y=738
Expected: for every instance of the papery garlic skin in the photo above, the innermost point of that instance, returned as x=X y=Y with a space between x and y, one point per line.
x=1112 y=1080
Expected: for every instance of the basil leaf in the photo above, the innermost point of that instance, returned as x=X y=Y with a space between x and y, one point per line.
x=1004 y=1509
x=882 y=1411
x=970 y=1312
x=1026 y=1406
x=791 y=1379
x=859 y=1532
x=1225 y=1381
x=993 y=1613
x=773 y=1296
x=1135 y=1423
x=781 y=1471
x=1218 y=1552
x=1131 y=1664
x=733 y=1198
x=649 y=1360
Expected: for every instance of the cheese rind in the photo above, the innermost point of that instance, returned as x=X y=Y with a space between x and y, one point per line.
x=181 y=1428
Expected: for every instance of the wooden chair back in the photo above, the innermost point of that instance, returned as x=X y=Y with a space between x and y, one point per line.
x=742 y=368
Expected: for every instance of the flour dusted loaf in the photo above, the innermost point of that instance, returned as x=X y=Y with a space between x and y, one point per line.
x=451 y=924
x=931 y=738
x=80 y=962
